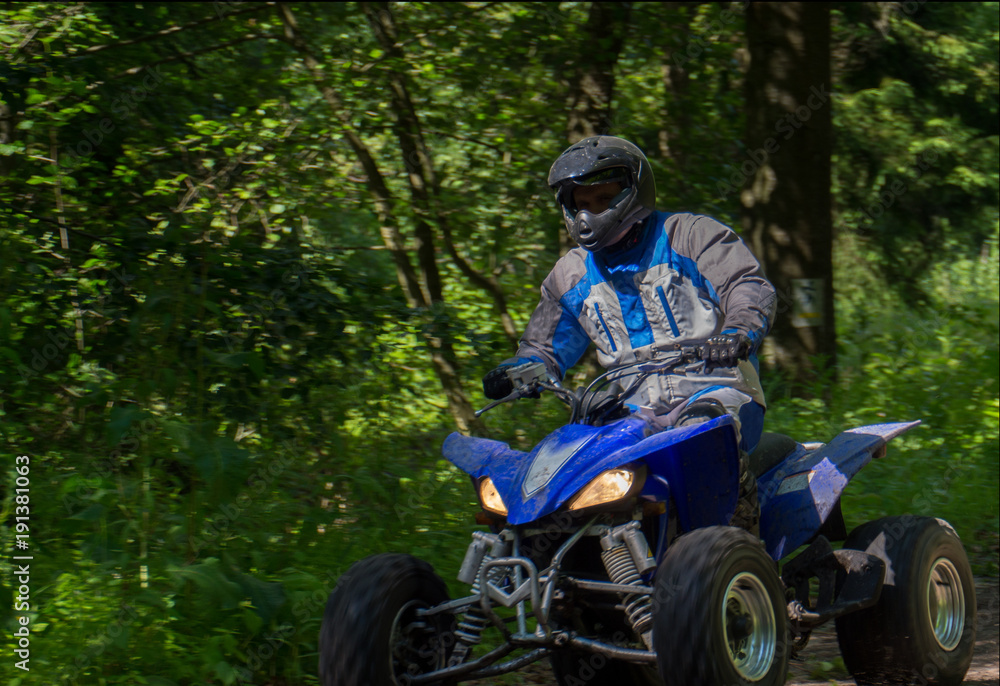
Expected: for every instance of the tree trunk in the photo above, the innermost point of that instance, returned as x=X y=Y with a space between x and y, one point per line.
x=786 y=178
x=419 y=295
x=389 y=227
x=594 y=83
x=590 y=97
x=424 y=185
x=675 y=70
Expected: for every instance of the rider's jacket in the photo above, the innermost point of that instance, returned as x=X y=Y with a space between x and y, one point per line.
x=685 y=277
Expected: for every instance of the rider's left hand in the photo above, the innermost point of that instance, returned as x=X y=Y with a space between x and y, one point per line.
x=497 y=383
x=726 y=350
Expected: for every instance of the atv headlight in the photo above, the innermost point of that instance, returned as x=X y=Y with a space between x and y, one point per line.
x=490 y=497
x=607 y=487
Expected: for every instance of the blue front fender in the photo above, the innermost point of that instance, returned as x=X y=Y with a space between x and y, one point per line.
x=699 y=463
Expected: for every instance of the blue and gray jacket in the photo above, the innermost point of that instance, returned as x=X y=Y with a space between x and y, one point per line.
x=687 y=277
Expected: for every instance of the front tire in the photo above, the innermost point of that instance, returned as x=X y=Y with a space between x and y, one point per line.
x=371 y=633
x=922 y=629
x=719 y=612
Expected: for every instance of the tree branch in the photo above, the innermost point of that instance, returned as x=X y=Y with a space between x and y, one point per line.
x=9 y=52
x=132 y=71
x=173 y=29
x=391 y=234
x=422 y=177
x=184 y=55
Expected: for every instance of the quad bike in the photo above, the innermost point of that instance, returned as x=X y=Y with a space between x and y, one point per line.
x=610 y=555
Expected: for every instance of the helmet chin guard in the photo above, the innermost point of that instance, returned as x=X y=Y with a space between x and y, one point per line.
x=596 y=231
x=598 y=160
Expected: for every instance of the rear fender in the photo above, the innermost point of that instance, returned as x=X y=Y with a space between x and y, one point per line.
x=798 y=495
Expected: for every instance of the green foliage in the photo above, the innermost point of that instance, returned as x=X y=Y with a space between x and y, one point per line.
x=829 y=671
x=917 y=148
x=938 y=366
x=206 y=351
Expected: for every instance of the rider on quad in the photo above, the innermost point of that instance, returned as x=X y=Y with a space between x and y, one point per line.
x=643 y=282
x=608 y=552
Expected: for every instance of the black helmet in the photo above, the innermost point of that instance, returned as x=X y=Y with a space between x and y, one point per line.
x=603 y=159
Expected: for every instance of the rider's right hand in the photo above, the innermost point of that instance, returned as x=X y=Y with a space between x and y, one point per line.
x=726 y=350
x=497 y=383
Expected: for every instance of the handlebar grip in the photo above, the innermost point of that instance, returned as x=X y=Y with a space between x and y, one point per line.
x=697 y=349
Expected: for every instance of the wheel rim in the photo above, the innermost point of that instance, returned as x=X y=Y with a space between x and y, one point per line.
x=750 y=626
x=414 y=644
x=946 y=603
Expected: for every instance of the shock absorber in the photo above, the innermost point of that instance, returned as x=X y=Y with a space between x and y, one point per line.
x=626 y=557
x=484 y=547
x=469 y=631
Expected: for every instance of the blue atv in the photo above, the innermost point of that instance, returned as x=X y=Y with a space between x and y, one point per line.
x=609 y=553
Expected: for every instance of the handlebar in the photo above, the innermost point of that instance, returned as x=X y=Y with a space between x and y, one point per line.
x=528 y=380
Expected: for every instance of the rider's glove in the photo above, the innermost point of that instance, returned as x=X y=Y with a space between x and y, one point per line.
x=726 y=350
x=497 y=383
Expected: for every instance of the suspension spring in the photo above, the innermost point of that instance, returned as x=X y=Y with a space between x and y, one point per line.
x=470 y=629
x=622 y=570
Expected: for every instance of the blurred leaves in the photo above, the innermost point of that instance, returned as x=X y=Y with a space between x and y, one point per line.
x=205 y=349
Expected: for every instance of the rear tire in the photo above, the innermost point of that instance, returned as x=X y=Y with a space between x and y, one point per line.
x=371 y=633
x=719 y=612
x=922 y=629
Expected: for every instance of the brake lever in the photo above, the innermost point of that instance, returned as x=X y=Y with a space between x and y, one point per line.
x=518 y=393
x=681 y=356
x=510 y=398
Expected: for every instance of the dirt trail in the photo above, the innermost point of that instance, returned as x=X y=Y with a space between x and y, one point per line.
x=821 y=664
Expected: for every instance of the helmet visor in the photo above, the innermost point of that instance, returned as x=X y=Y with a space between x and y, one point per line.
x=619 y=175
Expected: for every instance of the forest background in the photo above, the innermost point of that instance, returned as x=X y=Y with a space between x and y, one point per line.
x=256 y=257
